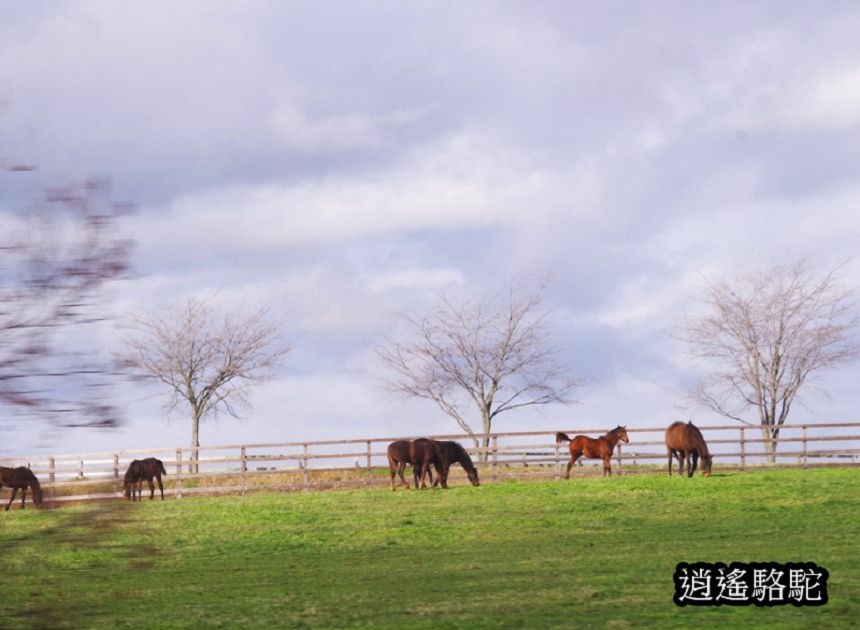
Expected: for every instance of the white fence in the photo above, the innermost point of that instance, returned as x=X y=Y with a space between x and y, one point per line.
x=298 y=466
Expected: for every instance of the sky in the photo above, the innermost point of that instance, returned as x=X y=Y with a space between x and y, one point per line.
x=344 y=162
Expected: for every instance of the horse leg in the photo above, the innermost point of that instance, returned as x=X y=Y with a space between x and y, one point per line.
x=401 y=467
x=23 y=496
x=607 y=467
x=14 y=494
x=421 y=474
x=573 y=458
x=670 y=461
x=151 y=488
x=681 y=455
x=160 y=485
x=695 y=456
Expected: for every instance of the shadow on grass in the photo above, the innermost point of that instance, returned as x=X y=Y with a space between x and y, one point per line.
x=69 y=545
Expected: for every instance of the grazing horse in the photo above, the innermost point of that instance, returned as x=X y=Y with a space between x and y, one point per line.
x=685 y=441
x=21 y=478
x=421 y=453
x=600 y=448
x=140 y=470
x=454 y=452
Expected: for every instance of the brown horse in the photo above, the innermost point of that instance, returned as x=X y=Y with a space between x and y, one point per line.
x=600 y=448
x=454 y=452
x=21 y=478
x=140 y=470
x=685 y=441
x=421 y=453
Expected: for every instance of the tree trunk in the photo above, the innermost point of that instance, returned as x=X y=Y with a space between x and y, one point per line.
x=770 y=434
x=486 y=421
x=195 y=444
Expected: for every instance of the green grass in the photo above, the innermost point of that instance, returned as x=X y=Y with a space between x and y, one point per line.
x=587 y=552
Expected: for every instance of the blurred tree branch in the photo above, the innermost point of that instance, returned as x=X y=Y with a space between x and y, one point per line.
x=55 y=260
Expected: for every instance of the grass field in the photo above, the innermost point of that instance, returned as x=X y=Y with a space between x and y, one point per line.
x=593 y=552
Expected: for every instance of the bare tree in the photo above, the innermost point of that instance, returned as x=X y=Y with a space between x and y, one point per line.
x=207 y=362
x=764 y=336
x=55 y=260
x=495 y=355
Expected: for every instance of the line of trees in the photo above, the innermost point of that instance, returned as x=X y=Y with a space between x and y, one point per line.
x=760 y=340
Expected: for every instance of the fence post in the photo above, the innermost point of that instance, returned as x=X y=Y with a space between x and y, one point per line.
x=52 y=470
x=179 y=473
x=116 y=465
x=743 y=450
x=804 y=446
x=618 y=459
x=244 y=461
x=369 y=469
x=305 y=466
x=495 y=457
x=557 y=464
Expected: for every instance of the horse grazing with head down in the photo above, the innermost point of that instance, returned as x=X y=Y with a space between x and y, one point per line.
x=140 y=470
x=454 y=452
x=599 y=448
x=21 y=478
x=685 y=441
x=421 y=453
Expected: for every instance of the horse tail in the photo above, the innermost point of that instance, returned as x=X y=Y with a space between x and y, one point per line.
x=561 y=437
x=161 y=466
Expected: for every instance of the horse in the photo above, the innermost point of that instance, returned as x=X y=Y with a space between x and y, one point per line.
x=599 y=448
x=421 y=453
x=685 y=441
x=454 y=452
x=21 y=478
x=140 y=470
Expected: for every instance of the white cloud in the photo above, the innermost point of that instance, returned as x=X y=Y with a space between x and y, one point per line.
x=338 y=133
x=416 y=279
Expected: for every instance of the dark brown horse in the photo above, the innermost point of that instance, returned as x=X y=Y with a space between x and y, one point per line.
x=421 y=453
x=21 y=478
x=685 y=441
x=454 y=452
x=600 y=448
x=140 y=470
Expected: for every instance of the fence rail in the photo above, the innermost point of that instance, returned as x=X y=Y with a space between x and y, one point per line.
x=303 y=466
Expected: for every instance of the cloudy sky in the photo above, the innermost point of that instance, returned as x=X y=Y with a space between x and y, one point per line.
x=343 y=162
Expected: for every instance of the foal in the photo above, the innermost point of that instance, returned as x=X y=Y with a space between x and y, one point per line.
x=599 y=448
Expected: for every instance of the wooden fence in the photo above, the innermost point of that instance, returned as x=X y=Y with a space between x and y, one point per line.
x=302 y=466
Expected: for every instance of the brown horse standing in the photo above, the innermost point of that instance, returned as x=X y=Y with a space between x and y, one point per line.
x=21 y=478
x=600 y=448
x=685 y=441
x=421 y=453
x=454 y=452
x=140 y=470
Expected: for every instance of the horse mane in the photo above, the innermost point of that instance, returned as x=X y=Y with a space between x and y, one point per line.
x=699 y=440
x=462 y=456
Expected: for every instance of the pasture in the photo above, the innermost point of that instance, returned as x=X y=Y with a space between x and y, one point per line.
x=550 y=554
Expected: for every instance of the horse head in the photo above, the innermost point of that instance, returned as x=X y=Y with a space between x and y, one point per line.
x=37 y=494
x=473 y=477
x=621 y=433
x=707 y=460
